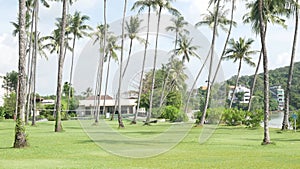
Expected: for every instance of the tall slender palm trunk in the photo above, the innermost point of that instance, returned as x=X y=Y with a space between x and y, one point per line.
x=58 y=125
x=143 y=68
x=128 y=58
x=266 y=139
x=226 y=41
x=121 y=125
x=210 y=65
x=106 y=85
x=285 y=122
x=20 y=135
x=153 y=70
x=71 y=73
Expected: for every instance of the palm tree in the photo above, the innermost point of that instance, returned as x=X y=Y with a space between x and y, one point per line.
x=110 y=54
x=88 y=92
x=20 y=135
x=178 y=28
x=186 y=49
x=285 y=123
x=121 y=125
x=266 y=139
x=133 y=27
x=239 y=51
x=78 y=29
x=217 y=2
x=161 y=4
x=142 y=4
x=58 y=126
x=222 y=21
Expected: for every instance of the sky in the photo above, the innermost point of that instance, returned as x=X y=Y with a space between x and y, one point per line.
x=279 y=40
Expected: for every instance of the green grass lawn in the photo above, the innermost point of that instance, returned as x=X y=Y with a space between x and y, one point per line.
x=229 y=147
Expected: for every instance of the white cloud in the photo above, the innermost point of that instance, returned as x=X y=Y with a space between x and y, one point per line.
x=9 y=53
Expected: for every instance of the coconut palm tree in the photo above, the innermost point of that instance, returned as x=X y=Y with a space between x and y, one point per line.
x=178 y=28
x=58 y=126
x=142 y=4
x=88 y=92
x=293 y=5
x=160 y=4
x=239 y=51
x=133 y=27
x=120 y=121
x=78 y=29
x=110 y=53
x=20 y=135
x=186 y=49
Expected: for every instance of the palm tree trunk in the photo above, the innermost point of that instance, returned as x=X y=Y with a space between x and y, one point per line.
x=106 y=85
x=121 y=125
x=34 y=61
x=98 y=107
x=58 y=125
x=285 y=122
x=71 y=73
x=153 y=71
x=266 y=139
x=226 y=41
x=210 y=66
x=254 y=81
x=194 y=84
x=20 y=135
x=236 y=83
x=129 y=54
x=143 y=68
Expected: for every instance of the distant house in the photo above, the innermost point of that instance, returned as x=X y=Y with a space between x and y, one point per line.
x=239 y=89
x=278 y=94
x=87 y=106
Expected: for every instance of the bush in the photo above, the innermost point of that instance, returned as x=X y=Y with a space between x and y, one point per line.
x=213 y=115
x=2 y=113
x=173 y=114
x=254 y=119
x=234 y=117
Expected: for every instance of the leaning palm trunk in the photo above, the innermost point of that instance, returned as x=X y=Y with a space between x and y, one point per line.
x=194 y=84
x=153 y=70
x=266 y=139
x=20 y=135
x=285 y=122
x=236 y=83
x=121 y=125
x=128 y=59
x=58 y=126
x=210 y=65
x=254 y=81
x=143 y=68
x=226 y=41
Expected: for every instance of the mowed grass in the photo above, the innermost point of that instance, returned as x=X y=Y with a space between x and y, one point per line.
x=229 y=147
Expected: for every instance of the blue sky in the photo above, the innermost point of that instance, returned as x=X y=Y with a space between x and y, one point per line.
x=279 y=40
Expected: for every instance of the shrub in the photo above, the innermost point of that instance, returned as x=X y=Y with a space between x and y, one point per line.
x=213 y=115
x=254 y=119
x=2 y=113
x=173 y=114
x=234 y=117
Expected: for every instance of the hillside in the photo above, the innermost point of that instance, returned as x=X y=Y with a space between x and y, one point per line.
x=277 y=77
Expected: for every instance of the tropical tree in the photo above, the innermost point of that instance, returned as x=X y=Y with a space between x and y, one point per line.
x=88 y=92
x=239 y=51
x=186 y=49
x=20 y=134
x=133 y=27
x=160 y=4
x=262 y=26
x=142 y=4
x=78 y=29
x=285 y=123
x=58 y=126
x=110 y=53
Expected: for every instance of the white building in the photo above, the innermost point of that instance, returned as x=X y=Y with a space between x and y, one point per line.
x=2 y=91
x=87 y=106
x=239 y=89
x=278 y=93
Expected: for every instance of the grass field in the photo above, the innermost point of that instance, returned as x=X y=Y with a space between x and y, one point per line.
x=229 y=147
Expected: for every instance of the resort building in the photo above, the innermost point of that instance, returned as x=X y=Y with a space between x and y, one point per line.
x=278 y=93
x=87 y=106
x=239 y=89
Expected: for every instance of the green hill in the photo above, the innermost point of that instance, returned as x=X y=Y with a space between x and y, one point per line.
x=278 y=77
